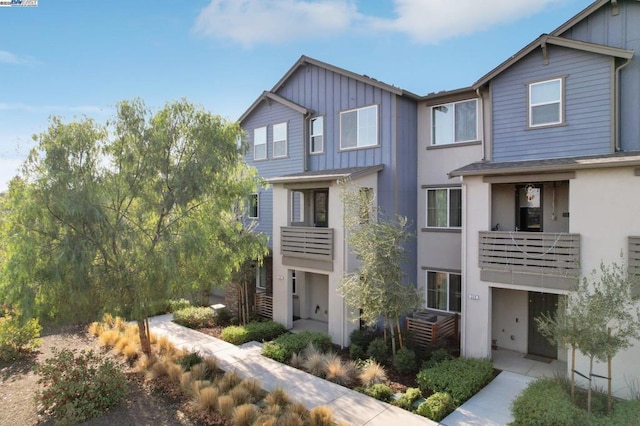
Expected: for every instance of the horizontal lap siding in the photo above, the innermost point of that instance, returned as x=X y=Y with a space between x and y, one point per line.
x=587 y=107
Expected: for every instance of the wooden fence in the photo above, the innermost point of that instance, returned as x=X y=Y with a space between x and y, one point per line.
x=264 y=305
x=428 y=326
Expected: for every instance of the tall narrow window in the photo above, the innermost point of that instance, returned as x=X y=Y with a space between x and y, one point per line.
x=316 y=135
x=261 y=277
x=454 y=122
x=253 y=208
x=444 y=291
x=260 y=143
x=359 y=128
x=297 y=207
x=444 y=208
x=545 y=103
x=280 y=140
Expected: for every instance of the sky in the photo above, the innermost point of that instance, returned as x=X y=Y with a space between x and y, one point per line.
x=76 y=58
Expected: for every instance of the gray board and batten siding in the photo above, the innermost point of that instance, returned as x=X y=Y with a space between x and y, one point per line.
x=617 y=28
x=587 y=101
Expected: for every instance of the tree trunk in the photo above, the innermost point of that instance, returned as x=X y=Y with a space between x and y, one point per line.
x=393 y=339
x=399 y=333
x=143 y=332
x=589 y=390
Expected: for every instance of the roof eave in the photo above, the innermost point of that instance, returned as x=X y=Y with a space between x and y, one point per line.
x=326 y=178
x=272 y=96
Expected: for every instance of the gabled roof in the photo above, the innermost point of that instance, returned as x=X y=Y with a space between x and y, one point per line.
x=327 y=175
x=305 y=60
x=546 y=39
x=486 y=168
x=580 y=16
x=269 y=96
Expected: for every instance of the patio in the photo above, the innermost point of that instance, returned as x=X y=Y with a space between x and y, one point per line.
x=516 y=362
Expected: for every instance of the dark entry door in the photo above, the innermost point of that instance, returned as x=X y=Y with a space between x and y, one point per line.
x=529 y=208
x=540 y=303
x=321 y=208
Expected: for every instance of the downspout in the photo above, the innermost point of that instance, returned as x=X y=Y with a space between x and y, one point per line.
x=616 y=106
x=482 y=142
x=305 y=134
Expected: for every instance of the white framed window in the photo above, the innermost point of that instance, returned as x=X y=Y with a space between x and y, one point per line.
x=444 y=208
x=279 y=140
x=253 y=210
x=261 y=277
x=545 y=103
x=454 y=122
x=359 y=128
x=316 y=135
x=260 y=143
x=444 y=291
x=297 y=207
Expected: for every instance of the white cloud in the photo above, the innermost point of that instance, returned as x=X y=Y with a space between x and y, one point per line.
x=13 y=59
x=82 y=109
x=252 y=22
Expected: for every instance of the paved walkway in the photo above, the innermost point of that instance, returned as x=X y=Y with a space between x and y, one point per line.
x=489 y=407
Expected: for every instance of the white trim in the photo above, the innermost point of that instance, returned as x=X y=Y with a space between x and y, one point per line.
x=285 y=140
x=256 y=132
x=358 y=142
x=559 y=102
x=453 y=123
x=312 y=135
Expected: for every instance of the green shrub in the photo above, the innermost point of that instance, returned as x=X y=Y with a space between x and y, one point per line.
x=408 y=398
x=18 y=337
x=545 y=402
x=282 y=348
x=223 y=317
x=178 y=304
x=356 y=352
x=405 y=361
x=436 y=357
x=380 y=392
x=378 y=350
x=624 y=413
x=259 y=331
x=460 y=377
x=195 y=317
x=362 y=338
x=437 y=406
x=79 y=387
x=189 y=360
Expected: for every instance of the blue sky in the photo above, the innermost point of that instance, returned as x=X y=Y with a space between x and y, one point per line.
x=76 y=57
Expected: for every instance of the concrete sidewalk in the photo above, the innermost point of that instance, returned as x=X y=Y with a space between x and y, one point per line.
x=489 y=407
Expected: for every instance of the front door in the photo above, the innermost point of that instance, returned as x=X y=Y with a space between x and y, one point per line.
x=529 y=208
x=321 y=208
x=540 y=303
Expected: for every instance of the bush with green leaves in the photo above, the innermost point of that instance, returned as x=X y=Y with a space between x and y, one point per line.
x=408 y=398
x=378 y=350
x=460 y=377
x=545 y=402
x=380 y=392
x=195 y=317
x=437 y=406
x=282 y=348
x=356 y=352
x=18 y=337
x=259 y=331
x=178 y=304
x=189 y=360
x=436 y=357
x=77 y=387
x=362 y=337
x=405 y=361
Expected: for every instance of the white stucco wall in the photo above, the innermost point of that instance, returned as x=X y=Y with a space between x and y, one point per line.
x=510 y=319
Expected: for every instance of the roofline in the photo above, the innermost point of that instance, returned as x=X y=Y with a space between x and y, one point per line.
x=326 y=177
x=272 y=96
x=548 y=168
x=448 y=93
x=579 y=17
x=545 y=39
x=359 y=77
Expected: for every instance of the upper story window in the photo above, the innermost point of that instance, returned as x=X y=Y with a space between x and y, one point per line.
x=359 y=128
x=253 y=209
x=454 y=122
x=545 y=103
x=444 y=208
x=260 y=143
x=316 y=135
x=280 y=140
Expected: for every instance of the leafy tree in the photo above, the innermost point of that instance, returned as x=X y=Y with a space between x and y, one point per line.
x=599 y=317
x=378 y=286
x=118 y=217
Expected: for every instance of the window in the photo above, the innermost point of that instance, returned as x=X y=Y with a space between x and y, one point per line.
x=253 y=209
x=444 y=208
x=444 y=291
x=545 y=103
x=260 y=143
x=261 y=277
x=297 y=207
x=316 y=138
x=280 y=140
x=454 y=122
x=359 y=128
x=293 y=282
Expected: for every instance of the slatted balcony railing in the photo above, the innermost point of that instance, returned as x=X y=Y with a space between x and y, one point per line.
x=307 y=242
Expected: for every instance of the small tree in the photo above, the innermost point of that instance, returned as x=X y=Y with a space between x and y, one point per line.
x=378 y=286
x=599 y=317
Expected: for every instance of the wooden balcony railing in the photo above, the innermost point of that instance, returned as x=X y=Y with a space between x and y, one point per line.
x=520 y=257
x=307 y=242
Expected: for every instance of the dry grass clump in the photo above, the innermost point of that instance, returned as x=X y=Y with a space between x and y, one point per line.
x=207 y=399
x=300 y=410
x=143 y=363
x=372 y=373
x=229 y=381
x=108 y=320
x=95 y=328
x=240 y=395
x=159 y=369
x=266 y=420
x=200 y=372
x=226 y=405
x=290 y=418
x=340 y=372
x=164 y=345
x=131 y=351
x=109 y=338
x=185 y=383
x=315 y=363
x=197 y=386
x=278 y=397
x=296 y=360
x=254 y=388
x=245 y=415
x=174 y=372
x=212 y=364
x=119 y=324
x=321 y=416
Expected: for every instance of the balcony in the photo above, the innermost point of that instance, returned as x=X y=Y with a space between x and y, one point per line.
x=308 y=247
x=535 y=259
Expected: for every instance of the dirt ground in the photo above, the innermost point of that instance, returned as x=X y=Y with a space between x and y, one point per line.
x=142 y=406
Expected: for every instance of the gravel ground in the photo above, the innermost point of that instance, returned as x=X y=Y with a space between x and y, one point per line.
x=143 y=405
